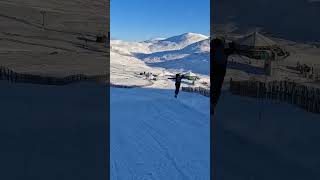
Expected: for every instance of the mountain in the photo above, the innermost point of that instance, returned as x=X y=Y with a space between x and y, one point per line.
x=176 y=42
x=187 y=38
x=158 y=44
x=127 y=48
x=188 y=51
x=197 y=52
x=181 y=53
x=198 y=47
x=294 y=20
x=154 y=40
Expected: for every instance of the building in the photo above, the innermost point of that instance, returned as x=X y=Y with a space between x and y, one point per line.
x=257 y=46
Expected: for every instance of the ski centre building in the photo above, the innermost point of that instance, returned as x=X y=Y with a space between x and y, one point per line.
x=257 y=46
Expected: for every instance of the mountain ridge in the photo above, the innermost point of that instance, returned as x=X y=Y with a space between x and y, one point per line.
x=188 y=51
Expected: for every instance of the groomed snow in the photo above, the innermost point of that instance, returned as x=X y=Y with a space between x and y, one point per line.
x=156 y=136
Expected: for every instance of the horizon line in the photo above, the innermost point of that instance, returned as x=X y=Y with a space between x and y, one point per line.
x=152 y=38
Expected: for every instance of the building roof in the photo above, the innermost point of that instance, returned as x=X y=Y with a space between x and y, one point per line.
x=256 y=40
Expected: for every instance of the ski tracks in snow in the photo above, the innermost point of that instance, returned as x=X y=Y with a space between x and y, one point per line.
x=155 y=136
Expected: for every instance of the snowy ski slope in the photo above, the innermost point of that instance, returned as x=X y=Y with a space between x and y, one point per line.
x=155 y=136
x=158 y=137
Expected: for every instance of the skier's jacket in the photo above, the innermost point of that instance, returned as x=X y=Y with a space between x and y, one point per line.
x=178 y=78
x=219 y=55
x=219 y=60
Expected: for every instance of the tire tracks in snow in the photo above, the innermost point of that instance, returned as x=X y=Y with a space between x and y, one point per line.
x=38 y=26
x=73 y=43
x=37 y=44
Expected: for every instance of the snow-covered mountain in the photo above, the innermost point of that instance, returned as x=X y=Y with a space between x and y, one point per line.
x=181 y=53
x=189 y=51
x=127 y=48
x=154 y=40
x=198 y=47
x=194 y=57
x=176 y=42
x=159 y=44
x=294 y=20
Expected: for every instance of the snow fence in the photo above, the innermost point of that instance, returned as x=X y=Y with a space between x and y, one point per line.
x=306 y=97
x=14 y=77
x=199 y=90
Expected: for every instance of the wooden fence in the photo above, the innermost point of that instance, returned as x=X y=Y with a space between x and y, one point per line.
x=14 y=77
x=199 y=90
x=303 y=96
x=124 y=86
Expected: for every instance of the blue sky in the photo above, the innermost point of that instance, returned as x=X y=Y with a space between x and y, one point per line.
x=137 y=20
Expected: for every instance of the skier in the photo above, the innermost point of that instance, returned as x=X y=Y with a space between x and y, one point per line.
x=219 y=57
x=178 y=79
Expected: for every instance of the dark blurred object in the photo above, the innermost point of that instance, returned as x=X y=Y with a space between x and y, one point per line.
x=101 y=39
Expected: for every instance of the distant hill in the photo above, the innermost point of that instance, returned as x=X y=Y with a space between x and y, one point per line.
x=188 y=51
x=295 y=20
x=176 y=42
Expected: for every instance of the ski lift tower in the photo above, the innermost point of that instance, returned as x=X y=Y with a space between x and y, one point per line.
x=268 y=63
x=43 y=13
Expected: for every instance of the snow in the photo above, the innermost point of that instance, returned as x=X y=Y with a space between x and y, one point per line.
x=124 y=47
x=271 y=16
x=156 y=136
x=57 y=50
x=197 y=63
x=282 y=144
x=153 y=134
x=176 y=42
x=124 y=70
x=53 y=132
x=198 y=47
x=177 y=54
x=60 y=131
x=244 y=68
